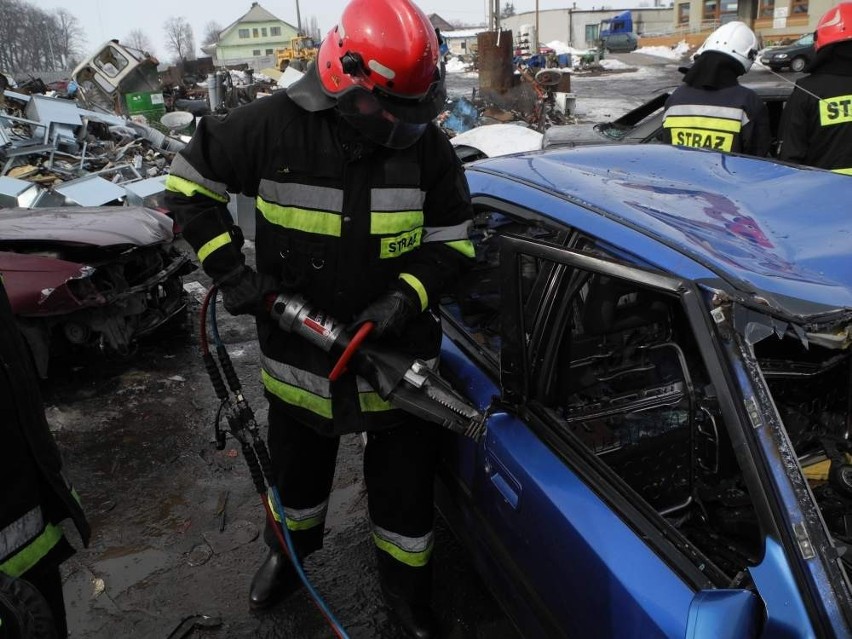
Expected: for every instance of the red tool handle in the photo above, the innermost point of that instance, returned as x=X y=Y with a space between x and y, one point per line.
x=269 y=301
x=349 y=351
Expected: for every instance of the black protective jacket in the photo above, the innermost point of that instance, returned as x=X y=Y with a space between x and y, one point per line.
x=712 y=111
x=338 y=220
x=35 y=494
x=816 y=127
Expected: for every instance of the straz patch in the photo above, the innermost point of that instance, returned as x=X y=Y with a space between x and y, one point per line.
x=836 y=110
x=703 y=139
x=399 y=244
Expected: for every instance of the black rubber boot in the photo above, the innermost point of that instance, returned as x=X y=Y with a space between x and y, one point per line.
x=274 y=580
x=418 y=620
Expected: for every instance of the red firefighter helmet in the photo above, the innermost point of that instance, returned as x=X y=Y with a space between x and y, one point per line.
x=834 y=26
x=389 y=50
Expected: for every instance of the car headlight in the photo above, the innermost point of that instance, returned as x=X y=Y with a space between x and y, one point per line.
x=780 y=56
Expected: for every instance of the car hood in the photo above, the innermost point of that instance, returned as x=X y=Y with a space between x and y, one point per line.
x=93 y=226
x=780 y=234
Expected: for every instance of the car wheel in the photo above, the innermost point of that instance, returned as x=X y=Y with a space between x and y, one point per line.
x=798 y=65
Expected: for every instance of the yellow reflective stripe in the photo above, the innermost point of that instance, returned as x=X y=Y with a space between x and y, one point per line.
x=372 y=402
x=417 y=285
x=292 y=217
x=400 y=244
x=702 y=122
x=208 y=247
x=413 y=559
x=836 y=110
x=842 y=171
x=465 y=247
x=382 y=223
x=188 y=188
x=33 y=552
x=297 y=396
x=274 y=512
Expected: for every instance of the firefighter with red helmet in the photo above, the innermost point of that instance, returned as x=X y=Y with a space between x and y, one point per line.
x=816 y=126
x=361 y=207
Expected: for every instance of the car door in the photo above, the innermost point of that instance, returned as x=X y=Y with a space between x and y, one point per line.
x=564 y=545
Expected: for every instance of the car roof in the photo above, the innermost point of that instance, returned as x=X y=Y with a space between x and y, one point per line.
x=773 y=231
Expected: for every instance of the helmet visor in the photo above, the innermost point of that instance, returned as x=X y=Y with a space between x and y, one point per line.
x=368 y=115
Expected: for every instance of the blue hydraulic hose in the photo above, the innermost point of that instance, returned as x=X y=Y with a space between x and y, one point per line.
x=279 y=508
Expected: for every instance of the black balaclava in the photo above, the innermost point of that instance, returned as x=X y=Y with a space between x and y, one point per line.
x=833 y=59
x=713 y=70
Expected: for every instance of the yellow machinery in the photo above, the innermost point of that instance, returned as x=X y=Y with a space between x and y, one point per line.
x=302 y=50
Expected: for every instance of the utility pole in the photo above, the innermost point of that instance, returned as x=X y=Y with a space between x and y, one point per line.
x=537 y=38
x=298 y=18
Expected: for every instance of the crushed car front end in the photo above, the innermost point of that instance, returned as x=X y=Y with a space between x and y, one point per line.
x=101 y=277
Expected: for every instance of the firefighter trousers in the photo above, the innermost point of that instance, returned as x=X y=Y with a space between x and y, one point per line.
x=399 y=472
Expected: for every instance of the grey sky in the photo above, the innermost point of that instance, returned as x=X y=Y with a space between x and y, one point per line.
x=107 y=19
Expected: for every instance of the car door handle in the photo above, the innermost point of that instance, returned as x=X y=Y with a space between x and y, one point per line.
x=505 y=484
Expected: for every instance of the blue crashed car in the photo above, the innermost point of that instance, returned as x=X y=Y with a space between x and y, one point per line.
x=662 y=339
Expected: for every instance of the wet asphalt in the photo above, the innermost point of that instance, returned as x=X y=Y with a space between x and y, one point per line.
x=177 y=523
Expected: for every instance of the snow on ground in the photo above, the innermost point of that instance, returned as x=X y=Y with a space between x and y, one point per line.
x=455 y=65
x=672 y=53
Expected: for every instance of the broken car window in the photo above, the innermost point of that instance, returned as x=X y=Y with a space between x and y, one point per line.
x=629 y=383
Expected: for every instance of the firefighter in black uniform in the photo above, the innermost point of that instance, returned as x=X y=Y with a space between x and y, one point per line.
x=36 y=497
x=710 y=109
x=816 y=127
x=362 y=208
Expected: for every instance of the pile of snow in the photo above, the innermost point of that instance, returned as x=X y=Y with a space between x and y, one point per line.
x=455 y=65
x=561 y=47
x=611 y=64
x=672 y=53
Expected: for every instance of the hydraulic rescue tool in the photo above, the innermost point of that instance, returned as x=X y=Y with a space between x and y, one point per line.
x=404 y=381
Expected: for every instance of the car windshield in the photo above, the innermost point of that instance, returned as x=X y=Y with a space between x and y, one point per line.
x=810 y=382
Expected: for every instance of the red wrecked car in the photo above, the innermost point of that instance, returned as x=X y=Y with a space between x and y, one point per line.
x=81 y=276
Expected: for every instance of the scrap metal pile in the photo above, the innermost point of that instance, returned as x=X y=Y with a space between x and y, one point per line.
x=86 y=257
x=55 y=153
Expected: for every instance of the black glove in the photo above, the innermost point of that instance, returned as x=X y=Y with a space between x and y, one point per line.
x=390 y=312
x=243 y=291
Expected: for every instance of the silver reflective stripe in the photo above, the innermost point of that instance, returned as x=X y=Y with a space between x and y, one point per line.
x=446 y=233
x=365 y=387
x=303 y=514
x=708 y=111
x=304 y=196
x=408 y=544
x=16 y=535
x=396 y=199
x=316 y=384
x=181 y=168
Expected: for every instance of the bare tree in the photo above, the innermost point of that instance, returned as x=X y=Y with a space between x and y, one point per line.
x=70 y=38
x=179 y=39
x=138 y=39
x=211 y=33
x=313 y=29
x=35 y=40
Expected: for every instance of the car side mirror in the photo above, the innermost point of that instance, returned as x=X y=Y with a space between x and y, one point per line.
x=724 y=614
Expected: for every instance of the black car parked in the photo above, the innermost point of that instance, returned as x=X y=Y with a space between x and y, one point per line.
x=795 y=56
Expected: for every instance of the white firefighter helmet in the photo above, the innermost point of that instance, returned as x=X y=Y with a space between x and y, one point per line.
x=734 y=39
